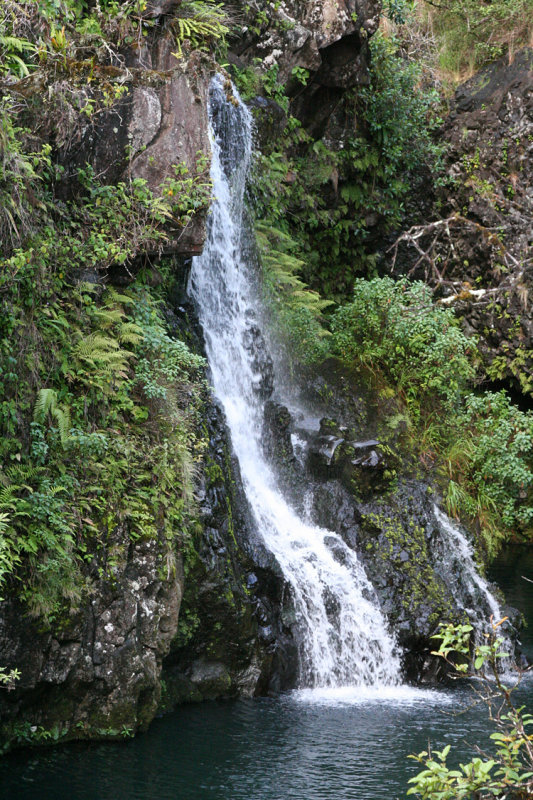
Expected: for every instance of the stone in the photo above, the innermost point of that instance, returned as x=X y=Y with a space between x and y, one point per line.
x=489 y=134
x=328 y=38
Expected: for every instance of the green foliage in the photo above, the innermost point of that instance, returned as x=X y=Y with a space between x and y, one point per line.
x=400 y=115
x=19 y=180
x=200 y=22
x=474 y=32
x=12 y=53
x=330 y=198
x=508 y=771
x=164 y=363
x=296 y=310
x=98 y=402
x=187 y=193
x=491 y=466
x=393 y=328
x=8 y=677
x=397 y=11
x=414 y=350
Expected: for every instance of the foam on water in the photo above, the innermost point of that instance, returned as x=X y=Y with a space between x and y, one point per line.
x=355 y=696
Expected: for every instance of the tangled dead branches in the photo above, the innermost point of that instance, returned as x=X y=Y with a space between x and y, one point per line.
x=435 y=244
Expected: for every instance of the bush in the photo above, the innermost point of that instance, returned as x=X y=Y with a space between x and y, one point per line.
x=394 y=329
x=507 y=772
x=490 y=464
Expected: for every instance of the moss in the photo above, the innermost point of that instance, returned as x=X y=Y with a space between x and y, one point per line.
x=404 y=549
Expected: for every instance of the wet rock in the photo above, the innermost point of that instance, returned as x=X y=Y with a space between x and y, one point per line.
x=277 y=442
x=323 y=456
x=211 y=679
x=359 y=465
x=261 y=361
x=99 y=666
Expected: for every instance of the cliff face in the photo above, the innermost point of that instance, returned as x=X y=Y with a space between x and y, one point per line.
x=206 y=609
x=327 y=39
x=480 y=258
x=96 y=669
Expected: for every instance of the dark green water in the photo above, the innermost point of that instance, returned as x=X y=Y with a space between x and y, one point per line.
x=343 y=747
x=513 y=572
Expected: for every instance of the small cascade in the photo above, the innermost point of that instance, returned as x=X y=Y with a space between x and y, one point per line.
x=470 y=589
x=457 y=559
x=343 y=634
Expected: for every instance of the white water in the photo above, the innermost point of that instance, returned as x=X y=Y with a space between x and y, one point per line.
x=344 y=637
x=467 y=584
x=470 y=590
x=401 y=695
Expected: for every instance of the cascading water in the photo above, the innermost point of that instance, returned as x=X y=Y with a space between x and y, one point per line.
x=471 y=591
x=343 y=632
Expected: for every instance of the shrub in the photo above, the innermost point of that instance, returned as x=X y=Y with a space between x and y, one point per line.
x=394 y=329
x=507 y=772
x=494 y=470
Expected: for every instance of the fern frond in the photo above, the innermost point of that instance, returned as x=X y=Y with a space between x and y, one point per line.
x=20 y=472
x=198 y=22
x=112 y=296
x=46 y=401
x=108 y=316
x=130 y=333
x=95 y=347
x=62 y=417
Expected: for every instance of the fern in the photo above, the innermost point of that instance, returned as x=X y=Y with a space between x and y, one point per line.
x=130 y=333
x=281 y=269
x=4 y=522
x=199 y=22
x=298 y=310
x=108 y=317
x=45 y=404
x=12 y=48
x=114 y=297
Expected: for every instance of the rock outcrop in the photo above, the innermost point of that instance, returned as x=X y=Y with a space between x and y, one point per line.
x=326 y=38
x=142 y=116
x=97 y=669
x=482 y=254
x=360 y=487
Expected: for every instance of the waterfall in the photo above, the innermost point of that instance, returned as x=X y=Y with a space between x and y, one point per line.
x=343 y=635
x=470 y=590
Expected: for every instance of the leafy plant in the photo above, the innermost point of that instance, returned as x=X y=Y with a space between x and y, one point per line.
x=508 y=771
x=199 y=22
x=8 y=677
x=296 y=310
x=491 y=466
x=393 y=328
x=334 y=200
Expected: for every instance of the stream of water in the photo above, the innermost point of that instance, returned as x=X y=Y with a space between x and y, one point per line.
x=344 y=636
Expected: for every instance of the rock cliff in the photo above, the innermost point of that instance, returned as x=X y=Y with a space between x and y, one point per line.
x=213 y=615
x=480 y=244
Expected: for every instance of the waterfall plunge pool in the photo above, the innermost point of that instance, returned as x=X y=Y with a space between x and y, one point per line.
x=346 y=744
x=338 y=744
